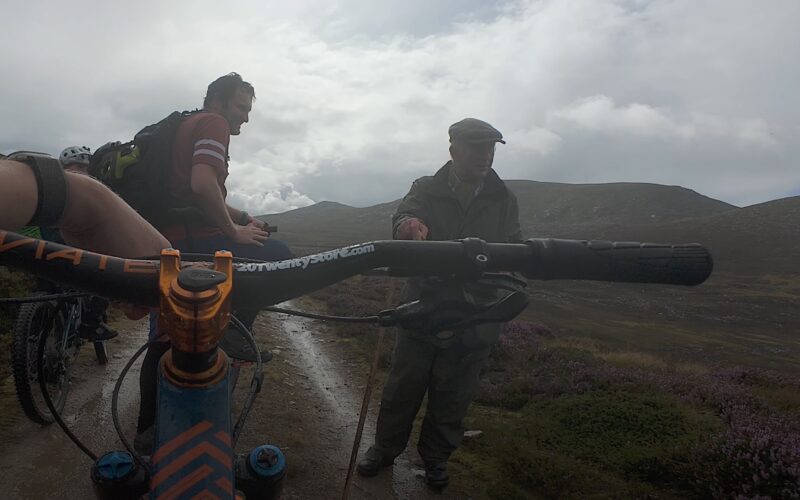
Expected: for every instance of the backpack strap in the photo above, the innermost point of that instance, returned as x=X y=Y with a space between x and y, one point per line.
x=51 y=184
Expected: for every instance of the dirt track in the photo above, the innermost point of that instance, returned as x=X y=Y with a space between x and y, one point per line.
x=309 y=407
x=41 y=462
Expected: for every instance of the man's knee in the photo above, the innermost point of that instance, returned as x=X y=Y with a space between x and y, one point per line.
x=273 y=250
x=276 y=250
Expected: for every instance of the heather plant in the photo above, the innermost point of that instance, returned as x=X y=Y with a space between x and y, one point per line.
x=522 y=334
x=746 y=444
x=753 y=458
x=758 y=454
x=518 y=342
x=520 y=367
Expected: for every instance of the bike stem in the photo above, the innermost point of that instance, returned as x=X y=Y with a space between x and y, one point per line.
x=195 y=308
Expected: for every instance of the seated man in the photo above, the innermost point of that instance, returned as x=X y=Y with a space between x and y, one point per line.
x=204 y=222
x=198 y=177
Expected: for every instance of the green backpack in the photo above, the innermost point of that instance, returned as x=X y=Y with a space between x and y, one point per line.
x=139 y=170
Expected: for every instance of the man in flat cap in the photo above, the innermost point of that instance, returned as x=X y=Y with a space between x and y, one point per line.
x=465 y=198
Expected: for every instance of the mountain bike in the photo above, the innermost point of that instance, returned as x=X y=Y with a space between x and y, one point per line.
x=194 y=453
x=45 y=339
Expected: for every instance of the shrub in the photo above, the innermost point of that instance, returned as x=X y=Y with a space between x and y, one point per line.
x=606 y=443
x=754 y=457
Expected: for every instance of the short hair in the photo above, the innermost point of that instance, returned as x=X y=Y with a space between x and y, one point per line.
x=225 y=87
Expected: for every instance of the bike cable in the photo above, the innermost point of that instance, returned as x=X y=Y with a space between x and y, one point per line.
x=50 y=406
x=43 y=298
x=255 y=387
x=114 y=413
x=342 y=319
x=255 y=382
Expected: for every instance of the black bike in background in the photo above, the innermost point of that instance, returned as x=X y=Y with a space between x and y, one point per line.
x=45 y=337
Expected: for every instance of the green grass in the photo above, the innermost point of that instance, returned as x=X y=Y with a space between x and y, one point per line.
x=602 y=444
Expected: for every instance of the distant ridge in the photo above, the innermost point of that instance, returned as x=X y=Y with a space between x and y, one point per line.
x=549 y=209
x=762 y=238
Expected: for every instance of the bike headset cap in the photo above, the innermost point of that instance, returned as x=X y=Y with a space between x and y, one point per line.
x=75 y=154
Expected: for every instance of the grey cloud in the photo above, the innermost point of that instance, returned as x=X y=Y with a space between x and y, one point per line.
x=272 y=201
x=354 y=97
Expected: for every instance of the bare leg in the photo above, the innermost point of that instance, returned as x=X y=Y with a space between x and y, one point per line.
x=94 y=218
x=97 y=219
x=18 y=195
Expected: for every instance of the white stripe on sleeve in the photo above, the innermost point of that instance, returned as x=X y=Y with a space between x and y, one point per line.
x=210 y=142
x=209 y=152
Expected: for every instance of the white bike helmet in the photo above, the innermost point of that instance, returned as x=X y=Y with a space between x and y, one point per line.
x=75 y=154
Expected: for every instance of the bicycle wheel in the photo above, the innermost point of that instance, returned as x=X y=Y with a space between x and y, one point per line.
x=101 y=352
x=37 y=323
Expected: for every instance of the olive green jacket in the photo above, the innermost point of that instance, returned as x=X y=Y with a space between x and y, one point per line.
x=493 y=215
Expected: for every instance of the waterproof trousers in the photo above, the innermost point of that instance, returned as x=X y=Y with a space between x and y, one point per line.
x=449 y=375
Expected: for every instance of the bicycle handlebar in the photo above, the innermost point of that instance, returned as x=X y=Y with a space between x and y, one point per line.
x=258 y=285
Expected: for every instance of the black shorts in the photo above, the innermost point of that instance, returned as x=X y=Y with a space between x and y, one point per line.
x=51 y=185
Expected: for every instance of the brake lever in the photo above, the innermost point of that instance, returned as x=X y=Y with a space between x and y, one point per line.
x=500 y=281
x=500 y=311
x=426 y=315
x=448 y=309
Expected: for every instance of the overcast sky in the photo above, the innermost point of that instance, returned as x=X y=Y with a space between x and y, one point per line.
x=354 y=97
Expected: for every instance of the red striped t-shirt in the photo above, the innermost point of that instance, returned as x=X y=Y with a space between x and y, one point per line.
x=202 y=138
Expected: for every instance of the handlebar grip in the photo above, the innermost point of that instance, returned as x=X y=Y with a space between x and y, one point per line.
x=689 y=264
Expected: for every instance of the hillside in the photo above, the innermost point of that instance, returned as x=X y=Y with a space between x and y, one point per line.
x=329 y=224
x=549 y=209
x=758 y=239
x=752 y=240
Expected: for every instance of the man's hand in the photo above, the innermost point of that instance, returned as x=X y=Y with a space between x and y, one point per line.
x=249 y=235
x=411 y=229
x=258 y=223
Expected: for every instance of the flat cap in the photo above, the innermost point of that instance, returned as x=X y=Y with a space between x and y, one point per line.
x=472 y=130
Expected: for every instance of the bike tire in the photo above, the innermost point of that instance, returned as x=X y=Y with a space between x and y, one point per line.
x=35 y=323
x=101 y=352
